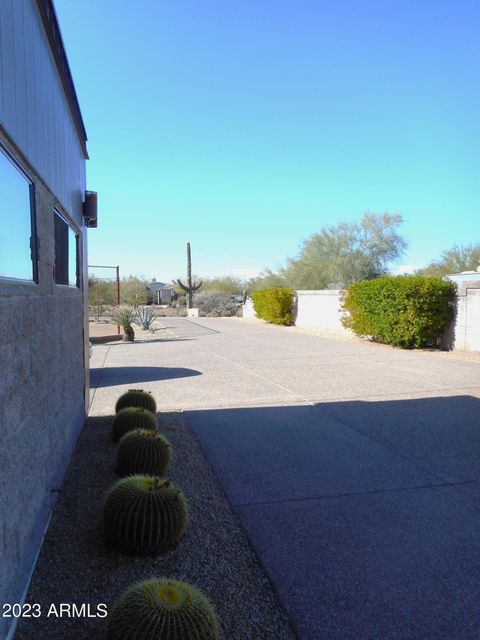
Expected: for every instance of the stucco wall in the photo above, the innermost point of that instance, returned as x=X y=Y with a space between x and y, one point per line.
x=315 y=309
x=320 y=309
x=42 y=406
x=466 y=330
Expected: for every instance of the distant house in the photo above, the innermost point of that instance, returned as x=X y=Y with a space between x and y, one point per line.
x=161 y=293
x=44 y=214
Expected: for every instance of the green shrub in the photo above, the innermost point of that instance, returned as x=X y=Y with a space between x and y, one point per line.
x=161 y=608
x=136 y=398
x=144 y=515
x=132 y=418
x=274 y=305
x=143 y=451
x=402 y=311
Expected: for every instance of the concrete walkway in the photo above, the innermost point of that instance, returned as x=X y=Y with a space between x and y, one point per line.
x=354 y=468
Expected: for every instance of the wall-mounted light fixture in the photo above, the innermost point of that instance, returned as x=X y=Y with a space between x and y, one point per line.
x=90 y=209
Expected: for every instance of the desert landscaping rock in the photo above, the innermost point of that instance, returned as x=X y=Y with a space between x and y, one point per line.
x=214 y=555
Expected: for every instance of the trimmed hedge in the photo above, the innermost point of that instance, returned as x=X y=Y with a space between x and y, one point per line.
x=402 y=311
x=274 y=305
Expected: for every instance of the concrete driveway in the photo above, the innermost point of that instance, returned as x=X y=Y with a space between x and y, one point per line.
x=354 y=468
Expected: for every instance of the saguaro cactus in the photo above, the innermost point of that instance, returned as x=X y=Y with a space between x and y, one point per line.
x=191 y=286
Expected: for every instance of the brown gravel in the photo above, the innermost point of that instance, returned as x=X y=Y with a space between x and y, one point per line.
x=75 y=566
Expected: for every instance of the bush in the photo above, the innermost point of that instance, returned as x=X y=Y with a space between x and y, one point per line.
x=216 y=304
x=274 y=305
x=162 y=608
x=402 y=311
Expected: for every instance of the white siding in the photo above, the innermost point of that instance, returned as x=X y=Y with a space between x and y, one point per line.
x=33 y=107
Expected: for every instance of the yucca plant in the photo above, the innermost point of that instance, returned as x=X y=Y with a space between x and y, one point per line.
x=144 y=515
x=124 y=316
x=163 y=609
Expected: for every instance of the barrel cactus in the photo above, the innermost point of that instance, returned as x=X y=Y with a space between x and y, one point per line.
x=162 y=608
x=136 y=398
x=144 y=515
x=132 y=418
x=143 y=451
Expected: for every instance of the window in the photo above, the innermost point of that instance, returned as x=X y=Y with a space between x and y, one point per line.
x=66 y=252
x=17 y=222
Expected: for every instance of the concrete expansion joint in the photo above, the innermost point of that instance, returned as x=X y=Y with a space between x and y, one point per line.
x=305 y=401
x=373 y=492
x=388 y=447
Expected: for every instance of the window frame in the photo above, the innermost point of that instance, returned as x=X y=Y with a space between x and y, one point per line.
x=33 y=222
x=72 y=227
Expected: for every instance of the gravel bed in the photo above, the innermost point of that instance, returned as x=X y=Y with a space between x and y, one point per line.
x=74 y=565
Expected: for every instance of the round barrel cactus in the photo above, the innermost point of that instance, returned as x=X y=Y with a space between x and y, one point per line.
x=143 y=451
x=136 y=398
x=162 y=608
x=132 y=418
x=144 y=515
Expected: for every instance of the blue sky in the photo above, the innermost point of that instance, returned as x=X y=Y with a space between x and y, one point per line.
x=245 y=126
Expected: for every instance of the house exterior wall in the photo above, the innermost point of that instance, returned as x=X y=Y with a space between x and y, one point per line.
x=164 y=296
x=33 y=106
x=42 y=341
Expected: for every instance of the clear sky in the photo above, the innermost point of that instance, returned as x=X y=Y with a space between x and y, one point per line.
x=244 y=126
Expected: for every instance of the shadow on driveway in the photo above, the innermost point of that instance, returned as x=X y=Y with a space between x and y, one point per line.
x=365 y=514
x=112 y=376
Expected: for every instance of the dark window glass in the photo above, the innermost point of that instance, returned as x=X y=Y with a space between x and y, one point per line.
x=17 y=235
x=66 y=252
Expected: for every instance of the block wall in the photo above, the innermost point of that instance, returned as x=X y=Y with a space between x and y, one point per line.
x=321 y=309
x=42 y=403
x=466 y=329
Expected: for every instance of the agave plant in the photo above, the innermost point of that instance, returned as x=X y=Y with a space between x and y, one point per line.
x=145 y=317
x=124 y=316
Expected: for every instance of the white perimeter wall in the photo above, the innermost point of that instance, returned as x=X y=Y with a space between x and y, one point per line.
x=467 y=325
x=316 y=309
x=321 y=309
